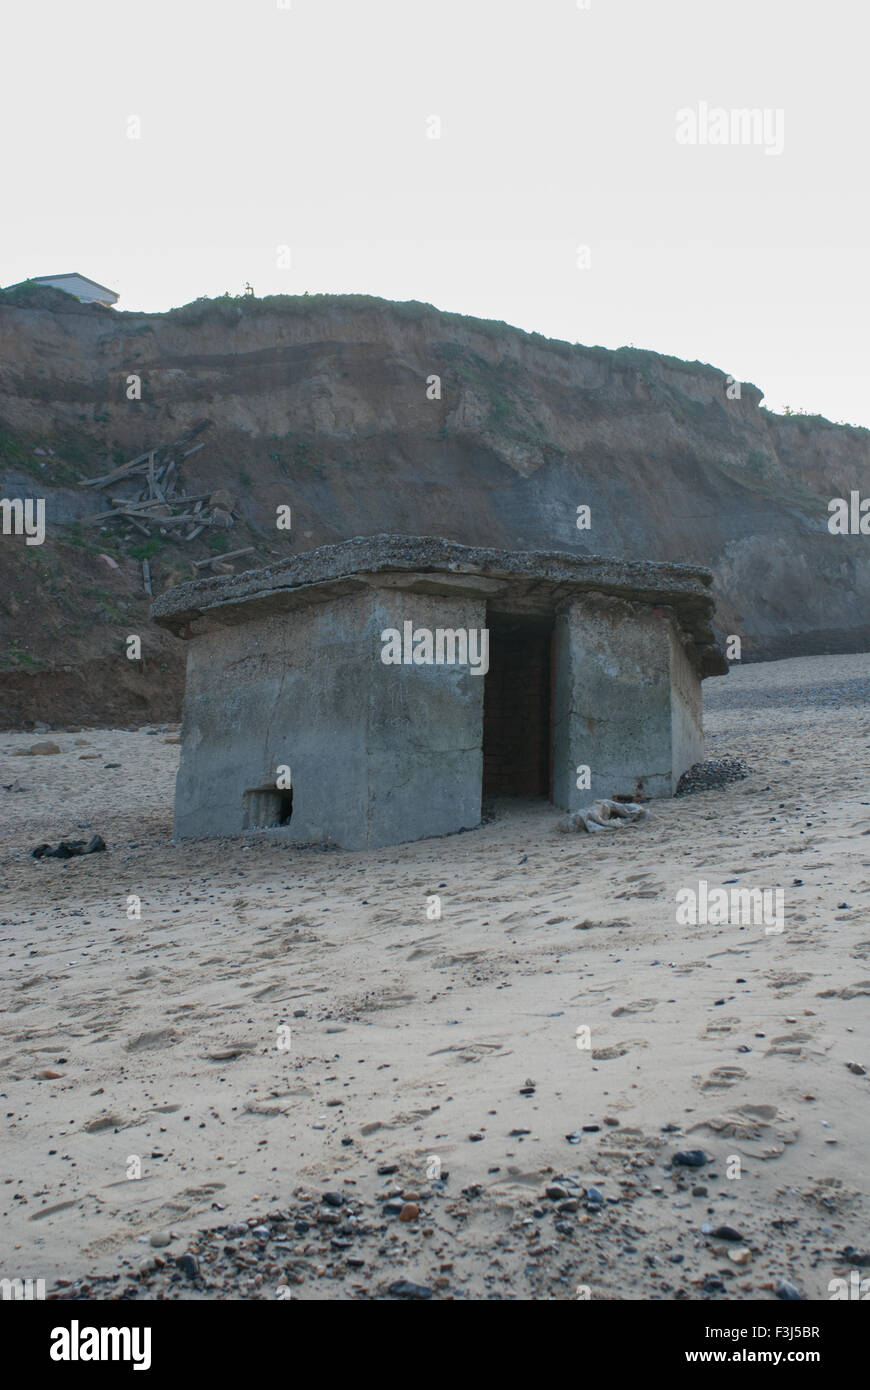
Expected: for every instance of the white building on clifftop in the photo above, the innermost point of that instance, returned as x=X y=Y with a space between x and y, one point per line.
x=88 y=291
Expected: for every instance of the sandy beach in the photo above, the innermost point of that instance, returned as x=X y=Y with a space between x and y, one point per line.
x=278 y=1024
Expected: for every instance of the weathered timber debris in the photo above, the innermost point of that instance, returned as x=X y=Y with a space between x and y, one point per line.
x=161 y=502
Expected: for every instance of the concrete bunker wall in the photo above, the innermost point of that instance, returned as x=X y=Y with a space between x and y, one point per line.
x=377 y=754
x=687 y=726
x=425 y=759
x=273 y=690
x=380 y=754
x=615 y=709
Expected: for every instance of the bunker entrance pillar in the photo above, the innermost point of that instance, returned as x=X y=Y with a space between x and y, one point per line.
x=611 y=702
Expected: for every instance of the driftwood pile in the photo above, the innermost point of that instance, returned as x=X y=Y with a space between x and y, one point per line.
x=159 y=502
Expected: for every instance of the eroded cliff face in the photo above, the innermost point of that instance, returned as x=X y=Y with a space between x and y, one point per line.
x=322 y=403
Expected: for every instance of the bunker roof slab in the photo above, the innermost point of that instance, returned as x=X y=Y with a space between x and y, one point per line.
x=427 y=564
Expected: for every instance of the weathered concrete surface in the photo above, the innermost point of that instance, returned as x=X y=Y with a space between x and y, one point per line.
x=271 y=693
x=377 y=754
x=614 y=707
x=424 y=753
x=687 y=727
x=523 y=574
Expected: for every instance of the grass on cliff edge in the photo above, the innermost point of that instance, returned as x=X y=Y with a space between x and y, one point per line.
x=228 y=308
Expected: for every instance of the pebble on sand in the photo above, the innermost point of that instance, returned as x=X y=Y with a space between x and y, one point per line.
x=689 y=1158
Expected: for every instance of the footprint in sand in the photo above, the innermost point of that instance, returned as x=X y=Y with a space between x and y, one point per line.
x=639 y=1006
x=762 y=1131
x=150 y=1042
x=723 y=1077
x=230 y=1052
x=190 y=1202
x=789 y=1045
x=787 y=980
x=606 y=1054
x=472 y=1052
x=112 y=1121
x=719 y=1027
x=847 y=992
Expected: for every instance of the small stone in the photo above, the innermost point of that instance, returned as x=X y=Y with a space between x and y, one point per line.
x=385 y=1169
x=741 y=1256
x=555 y=1192
x=726 y=1233
x=160 y=1238
x=333 y=1199
x=188 y=1264
x=856 y=1068
x=699 y=1192
x=594 y=1197
x=405 y=1288
x=861 y=1258
x=410 y=1211
x=475 y=1138
x=43 y=749
x=689 y=1158
x=783 y=1289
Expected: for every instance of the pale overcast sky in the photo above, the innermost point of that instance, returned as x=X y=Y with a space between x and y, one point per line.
x=307 y=126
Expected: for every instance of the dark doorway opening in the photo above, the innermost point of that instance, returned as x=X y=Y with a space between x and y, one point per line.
x=517 y=745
